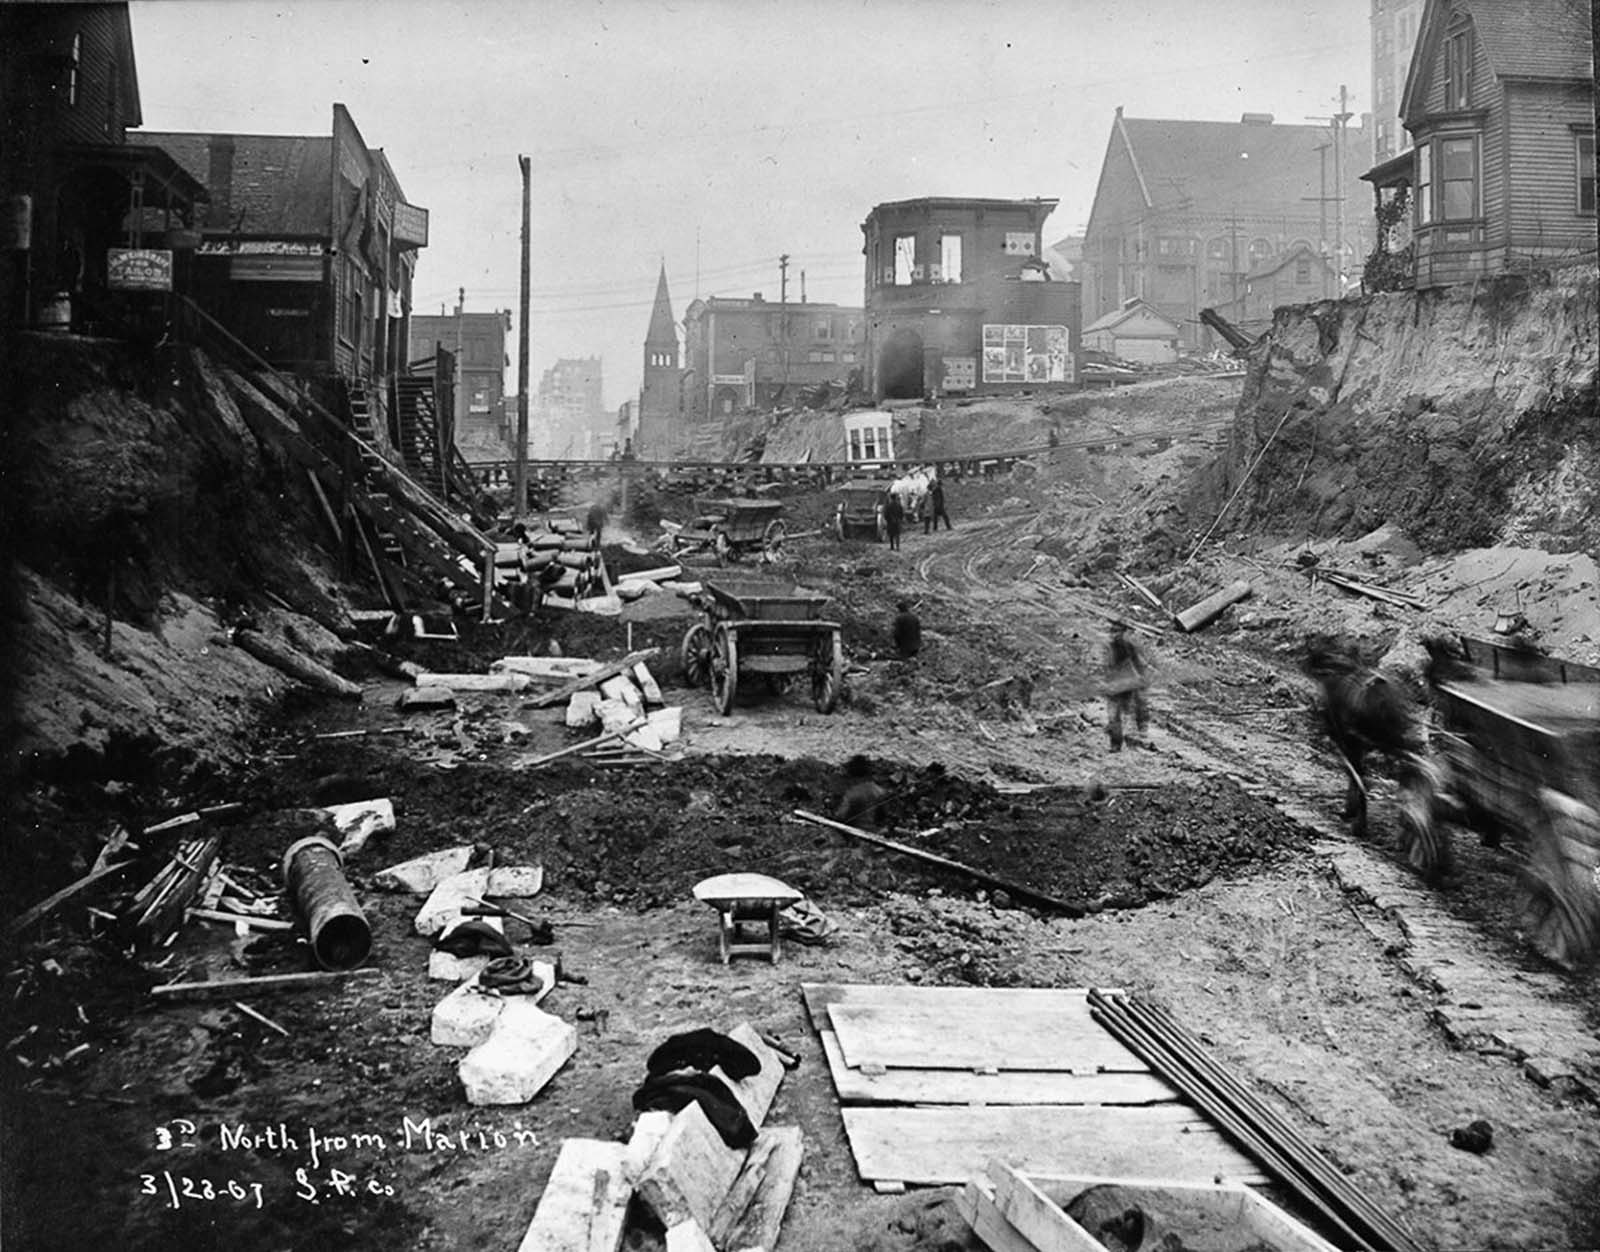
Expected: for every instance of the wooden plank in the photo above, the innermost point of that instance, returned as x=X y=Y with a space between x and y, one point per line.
x=947 y=1086
x=52 y=902
x=1057 y=1036
x=217 y=987
x=559 y=695
x=761 y=1222
x=756 y=1092
x=690 y=1171
x=296 y=665
x=1016 y=889
x=584 y=1205
x=1035 y=1215
x=1257 y=1216
x=1198 y=615
x=948 y=1145
x=976 y=1204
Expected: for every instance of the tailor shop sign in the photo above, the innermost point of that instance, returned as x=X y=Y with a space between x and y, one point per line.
x=139 y=269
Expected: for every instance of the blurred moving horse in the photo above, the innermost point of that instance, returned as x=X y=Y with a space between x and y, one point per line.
x=1367 y=713
x=912 y=490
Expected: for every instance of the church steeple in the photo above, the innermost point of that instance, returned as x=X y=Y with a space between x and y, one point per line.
x=663 y=330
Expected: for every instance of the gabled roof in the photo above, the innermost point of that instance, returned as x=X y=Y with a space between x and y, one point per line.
x=662 y=330
x=1248 y=164
x=1544 y=39
x=1131 y=309
x=1273 y=264
x=281 y=184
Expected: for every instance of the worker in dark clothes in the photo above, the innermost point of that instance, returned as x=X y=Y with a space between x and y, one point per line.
x=863 y=798
x=907 y=631
x=1126 y=681
x=595 y=521
x=934 y=509
x=894 y=516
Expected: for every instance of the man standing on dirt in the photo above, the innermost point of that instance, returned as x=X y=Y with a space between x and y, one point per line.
x=934 y=509
x=1125 y=684
x=894 y=516
x=595 y=521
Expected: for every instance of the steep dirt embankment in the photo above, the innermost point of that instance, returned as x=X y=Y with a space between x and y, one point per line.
x=1464 y=416
x=143 y=519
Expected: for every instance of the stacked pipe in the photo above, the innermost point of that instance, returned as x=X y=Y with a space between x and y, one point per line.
x=1177 y=1055
x=564 y=559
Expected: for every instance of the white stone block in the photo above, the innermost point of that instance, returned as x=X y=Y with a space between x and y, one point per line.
x=648 y=1131
x=581 y=709
x=447 y=967
x=523 y=1053
x=466 y=1017
x=422 y=874
x=668 y=723
x=444 y=905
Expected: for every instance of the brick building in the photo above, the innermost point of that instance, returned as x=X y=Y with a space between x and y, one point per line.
x=1395 y=24
x=92 y=228
x=1186 y=210
x=756 y=354
x=475 y=346
x=569 y=420
x=960 y=300
x=655 y=419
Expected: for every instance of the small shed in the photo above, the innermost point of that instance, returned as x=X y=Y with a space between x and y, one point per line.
x=1136 y=332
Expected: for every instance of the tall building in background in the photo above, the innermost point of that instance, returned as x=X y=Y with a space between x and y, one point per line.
x=476 y=342
x=1395 y=24
x=570 y=424
x=659 y=393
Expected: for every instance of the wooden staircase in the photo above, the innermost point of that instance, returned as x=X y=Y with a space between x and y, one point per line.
x=431 y=457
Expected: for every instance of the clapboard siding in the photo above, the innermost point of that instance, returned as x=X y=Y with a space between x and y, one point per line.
x=103 y=64
x=1543 y=210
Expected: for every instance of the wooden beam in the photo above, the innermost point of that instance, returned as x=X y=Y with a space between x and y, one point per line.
x=585 y=1200
x=751 y=1215
x=690 y=1172
x=977 y=875
x=611 y=669
x=298 y=666
x=1198 y=615
x=218 y=988
x=52 y=902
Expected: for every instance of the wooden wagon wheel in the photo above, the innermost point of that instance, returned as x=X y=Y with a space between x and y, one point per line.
x=772 y=539
x=696 y=654
x=827 y=671
x=724 y=669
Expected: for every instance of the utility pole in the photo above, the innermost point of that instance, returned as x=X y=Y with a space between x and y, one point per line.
x=1322 y=212
x=1339 y=118
x=519 y=472
x=783 y=313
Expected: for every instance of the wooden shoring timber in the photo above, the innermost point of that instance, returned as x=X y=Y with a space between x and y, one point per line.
x=751 y=1214
x=54 y=901
x=1027 y=894
x=559 y=695
x=180 y=882
x=296 y=665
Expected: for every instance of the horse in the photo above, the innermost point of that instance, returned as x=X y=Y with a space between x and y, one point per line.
x=1365 y=712
x=912 y=490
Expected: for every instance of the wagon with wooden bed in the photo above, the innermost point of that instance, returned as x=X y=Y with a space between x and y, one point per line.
x=730 y=529
x=1519 y=738
x=769 y=631
x=860 y=511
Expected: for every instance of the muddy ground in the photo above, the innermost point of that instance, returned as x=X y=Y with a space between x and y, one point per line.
x=1196 y=888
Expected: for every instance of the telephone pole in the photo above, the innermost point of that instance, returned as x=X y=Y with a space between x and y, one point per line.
x=519 y=472
x=1339 y=120
x=783 y=313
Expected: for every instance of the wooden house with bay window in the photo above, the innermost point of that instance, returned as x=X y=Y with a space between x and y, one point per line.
x=1499 y=102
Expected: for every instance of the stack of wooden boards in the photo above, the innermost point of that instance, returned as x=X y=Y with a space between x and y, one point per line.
x=1014 y=1211
x=934 y=1082
x=707 y=1195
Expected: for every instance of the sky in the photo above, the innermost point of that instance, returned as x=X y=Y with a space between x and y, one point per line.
x=713 y=136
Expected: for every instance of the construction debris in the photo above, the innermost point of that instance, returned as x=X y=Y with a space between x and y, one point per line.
x=301 y=668
x=219 y=988
x=522 y=1053
x=336 y=928
x=1207 y=610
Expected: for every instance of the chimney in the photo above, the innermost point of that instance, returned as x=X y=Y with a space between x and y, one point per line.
x=219 y=180
x=1256 y=119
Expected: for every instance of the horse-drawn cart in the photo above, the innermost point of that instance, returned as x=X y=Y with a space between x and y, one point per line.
x=860 y=511
x=731 y=528
x=768 y=629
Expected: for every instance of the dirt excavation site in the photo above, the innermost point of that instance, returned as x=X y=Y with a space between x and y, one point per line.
x=424 y=949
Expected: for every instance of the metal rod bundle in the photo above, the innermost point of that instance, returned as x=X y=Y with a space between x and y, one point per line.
x=1178 y=1056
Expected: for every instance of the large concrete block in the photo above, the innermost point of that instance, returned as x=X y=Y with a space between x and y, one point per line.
x=513 y=1065
x=422 y=874
x=466 y=1017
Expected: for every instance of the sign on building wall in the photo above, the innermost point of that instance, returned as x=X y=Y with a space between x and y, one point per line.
x=410 y=225
x=960 y=373
x=139 y=269
x=1019 y=243
x=1026 y=354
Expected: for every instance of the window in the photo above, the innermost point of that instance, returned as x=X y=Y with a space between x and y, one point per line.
x=1424 y=184
x=814 y=357
x=72 y=69
x=905 y=259
x=950 y=257
x=1175 y=247
x=1217 y=250
x=855 y=446
x=824 y=329
x=480 y=400
x=1458 y=179
x=1260 y=250
x=869 y=443
x=1458 y=70
x=1302 y=271
x=1585 y=146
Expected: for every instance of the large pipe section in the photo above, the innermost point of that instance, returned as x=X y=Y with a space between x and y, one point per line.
x=336 y=928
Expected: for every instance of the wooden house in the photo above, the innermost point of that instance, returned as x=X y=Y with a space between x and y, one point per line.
x=1499 y=102
x=1135 y=332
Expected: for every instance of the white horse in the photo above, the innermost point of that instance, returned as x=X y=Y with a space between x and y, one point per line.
x=912 y=490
